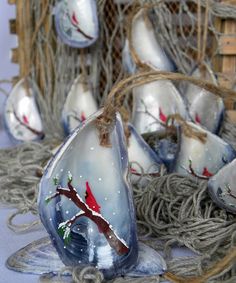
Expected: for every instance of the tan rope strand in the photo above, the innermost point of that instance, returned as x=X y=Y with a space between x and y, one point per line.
x=205 y=32
x=199 y=30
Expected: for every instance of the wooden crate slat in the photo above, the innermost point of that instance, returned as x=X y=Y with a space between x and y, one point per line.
x=227 y=45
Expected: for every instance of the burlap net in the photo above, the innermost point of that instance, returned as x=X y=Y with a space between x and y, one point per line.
x=173 y=209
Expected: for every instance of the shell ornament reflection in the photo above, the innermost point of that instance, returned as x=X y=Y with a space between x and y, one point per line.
x=22 y=117
x=77 y=22
x=85 y=203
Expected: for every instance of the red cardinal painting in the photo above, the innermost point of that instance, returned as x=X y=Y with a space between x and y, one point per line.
x=162 y=115
x=197 y=119
x=82 y=118
x=90 y=199
x=25 y=119
x=75 y=23
x=206 y=172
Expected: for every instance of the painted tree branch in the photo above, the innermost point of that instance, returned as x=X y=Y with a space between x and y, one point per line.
x=229 y=192
x=79 y=29
x=156 y=120
x=102 y=224
x=34 y=131
x=192 y=172
x=73 y=115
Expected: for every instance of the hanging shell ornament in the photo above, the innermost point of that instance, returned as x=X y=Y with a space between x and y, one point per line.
x=79 y=105
x=77 y=22
x=143 y=47
x=201 y=153
x=85 y=203
x=205 y=108
x=143 y=160
x=153 y=103
x=222 y=187
x=22 y=117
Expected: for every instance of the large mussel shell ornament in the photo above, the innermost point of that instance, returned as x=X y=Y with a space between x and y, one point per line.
x=22 y=117
x=85 y=203
x=77 y=22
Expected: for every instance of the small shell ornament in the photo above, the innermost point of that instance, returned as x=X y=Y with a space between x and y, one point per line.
x=222 y=187
x=85 y=203
x=77 y=22
x=205 y=108
x=22 y=117
x=79 y=105
x=144 y=46
x=143 y=160
x=202 y=158
x=153 y=103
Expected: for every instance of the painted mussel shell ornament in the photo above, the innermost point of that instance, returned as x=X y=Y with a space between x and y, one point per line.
x=222 y=187
x=22 y=117
x=143 y=160
x=153 y=103
x=205 y=108
x=77 y=22
x=144 y=46
x=87 y=209
x=79 y=105
x=202 y=158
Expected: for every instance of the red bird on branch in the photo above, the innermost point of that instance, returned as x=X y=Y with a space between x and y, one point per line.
x=162 y=115
x=25 y=119
x=206 y=172
x=75 y=23
x=82 y=117
x=90 y=199
x=197 y=119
